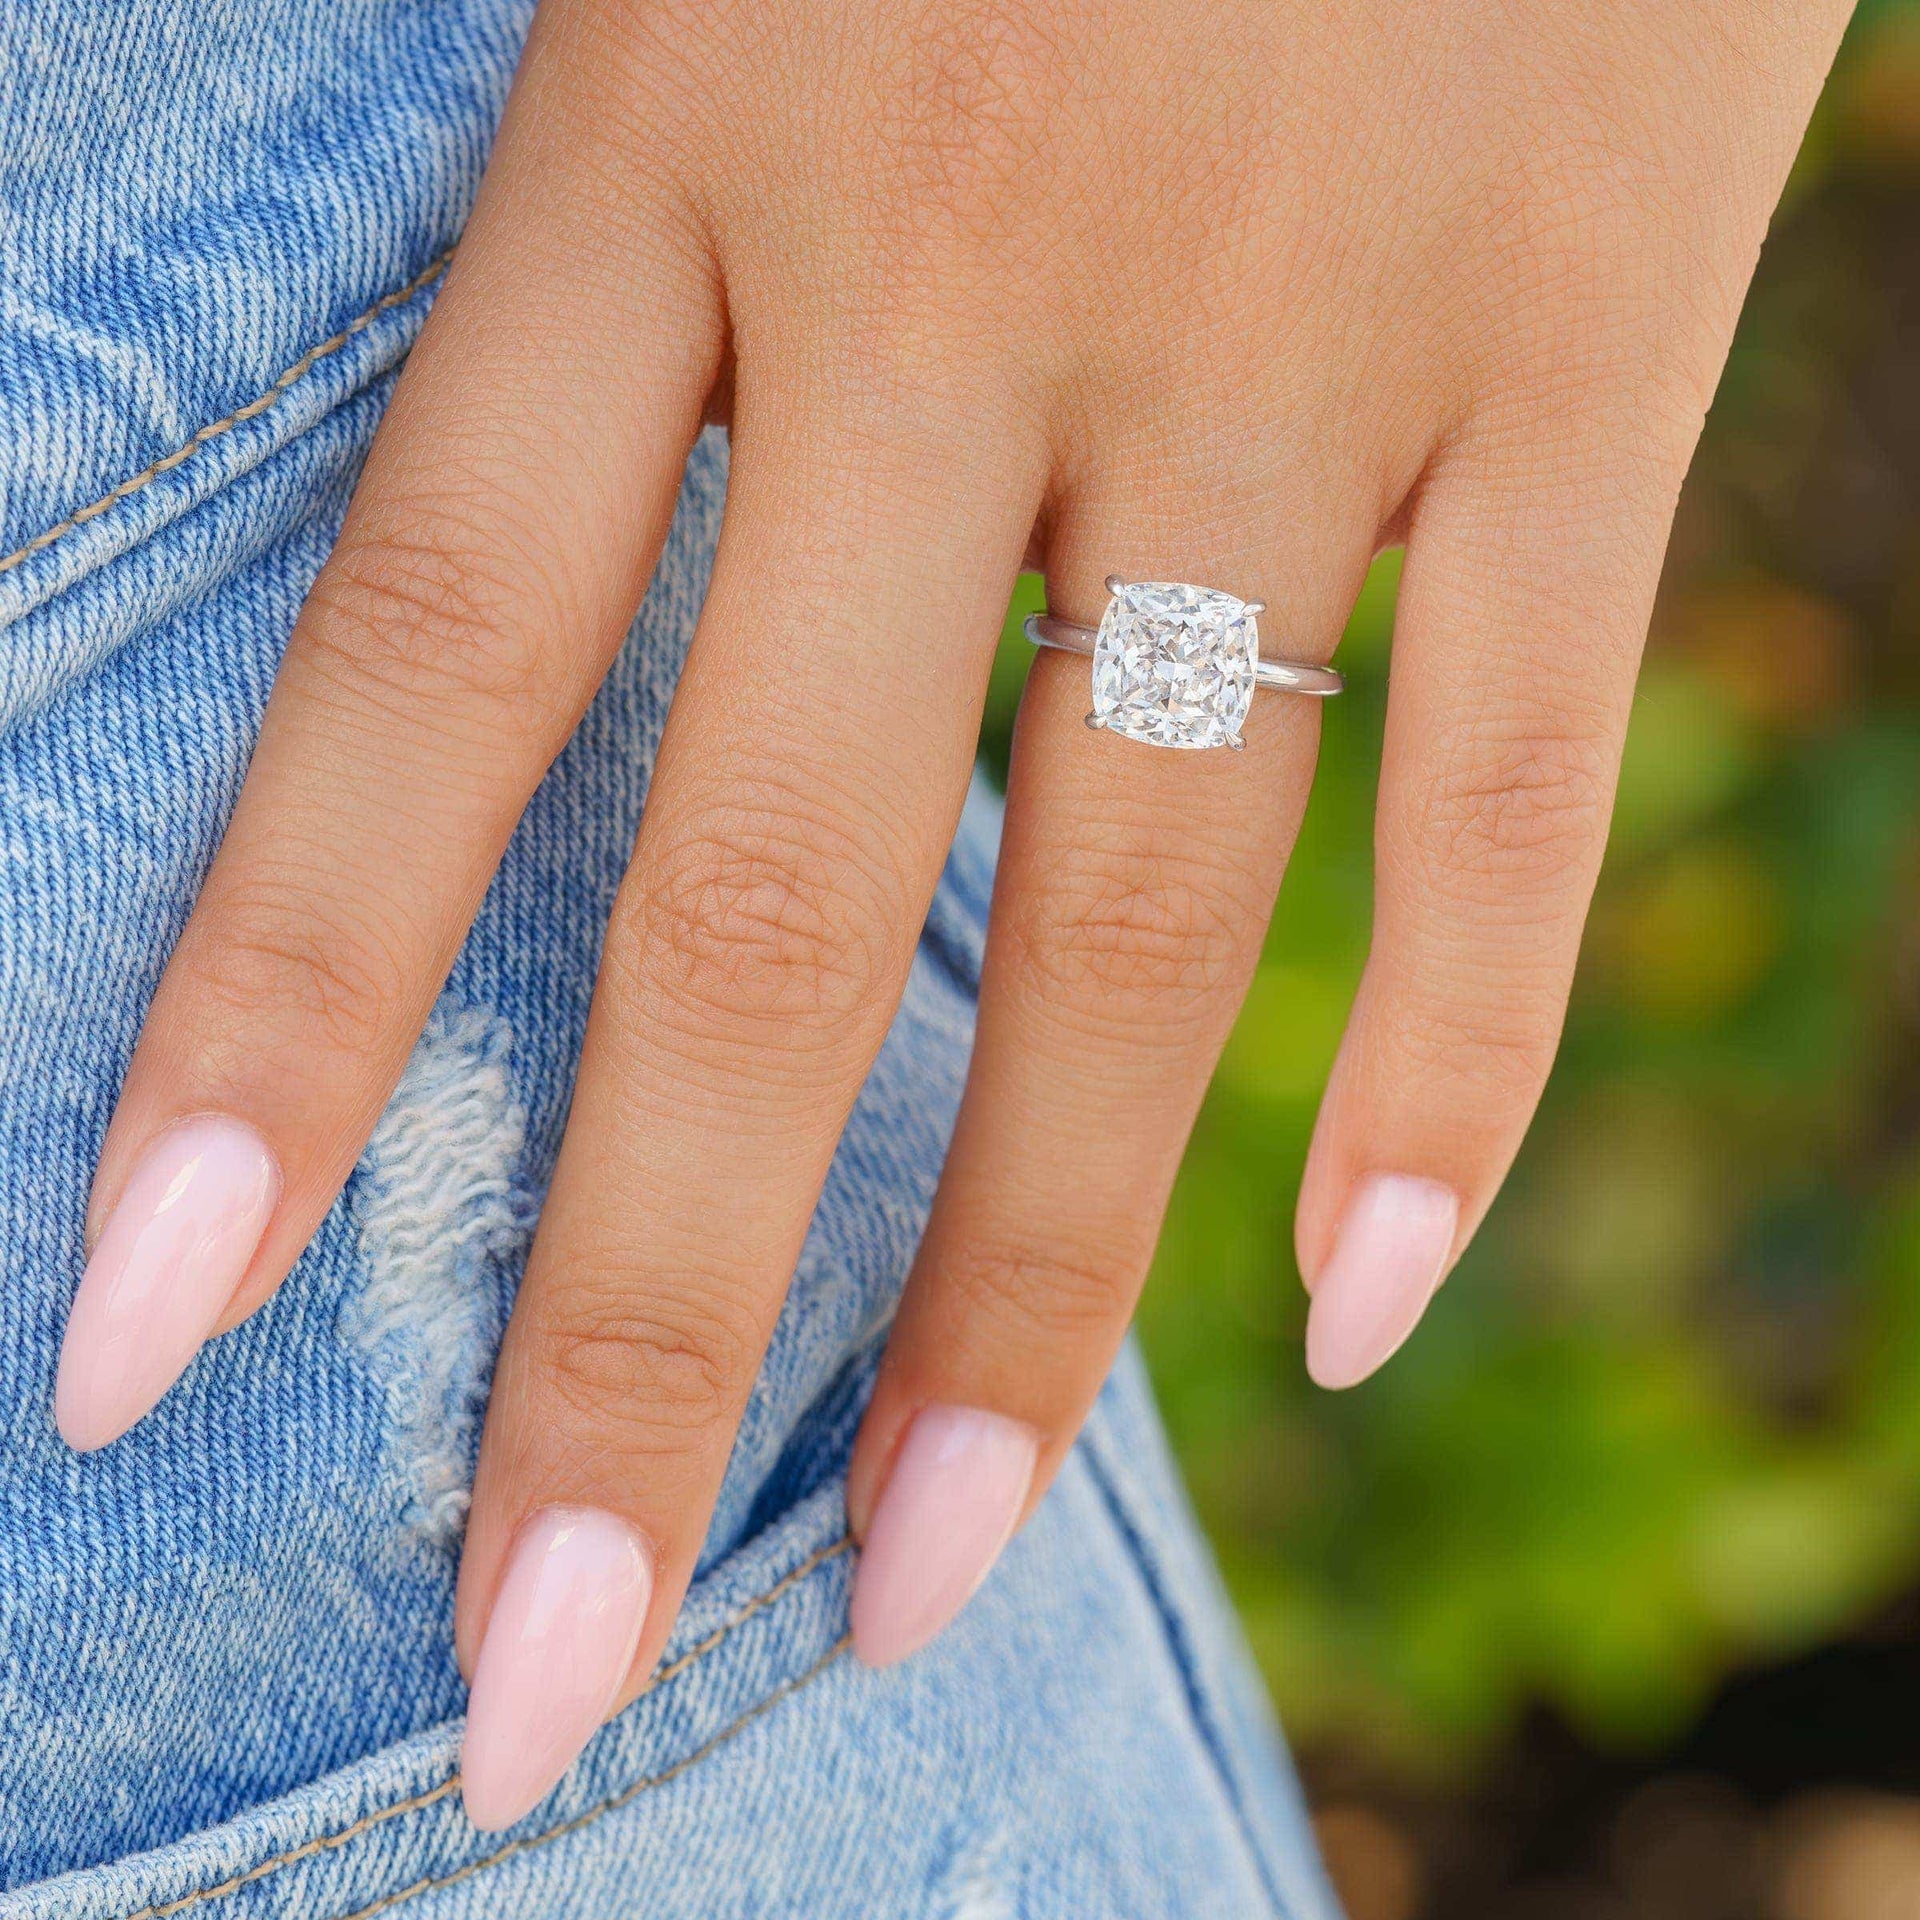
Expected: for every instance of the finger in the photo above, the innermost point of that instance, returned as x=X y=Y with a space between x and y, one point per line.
x=1522 y=612
x=814 y=768
x=496 y=550
x=1134 y=889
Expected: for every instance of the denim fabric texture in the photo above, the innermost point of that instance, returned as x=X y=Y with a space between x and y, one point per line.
x=227 y=1685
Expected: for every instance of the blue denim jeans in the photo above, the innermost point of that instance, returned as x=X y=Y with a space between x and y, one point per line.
x=227 y=1685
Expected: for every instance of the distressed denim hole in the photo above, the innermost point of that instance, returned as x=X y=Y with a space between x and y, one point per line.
x=442 y=1218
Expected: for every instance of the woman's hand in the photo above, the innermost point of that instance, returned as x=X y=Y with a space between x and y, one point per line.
x=1216 y=290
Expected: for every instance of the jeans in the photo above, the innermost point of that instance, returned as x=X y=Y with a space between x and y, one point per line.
x=227 y=1684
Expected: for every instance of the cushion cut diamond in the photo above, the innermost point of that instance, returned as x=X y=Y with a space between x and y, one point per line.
x=1174 y=665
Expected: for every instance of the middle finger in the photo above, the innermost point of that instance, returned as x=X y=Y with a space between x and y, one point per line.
x=807 y=790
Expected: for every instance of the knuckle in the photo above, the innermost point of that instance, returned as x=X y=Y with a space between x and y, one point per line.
x=1491 y=1053
x=1058 y=1294
x=1518 y=807
x=647 y=1366
x=269 y=957
x=757 y=925
x=961 y=133
x=1150 y=930
x=979 y=70
x=441 y=613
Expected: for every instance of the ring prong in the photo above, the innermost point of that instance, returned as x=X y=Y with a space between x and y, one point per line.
x=1114 y=583
x=1094 y=723
x=1236 y=743
x=1256 y=606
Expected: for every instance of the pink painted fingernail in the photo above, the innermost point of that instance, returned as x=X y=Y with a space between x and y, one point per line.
x=1390 y=1255
x=173 y=1251
x=949 y=1506
x=559 y=1643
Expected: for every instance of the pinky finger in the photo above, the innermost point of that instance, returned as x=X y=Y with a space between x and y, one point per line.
x=1515 y=654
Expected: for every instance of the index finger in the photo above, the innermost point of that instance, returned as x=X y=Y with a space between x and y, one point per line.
x=494 y=555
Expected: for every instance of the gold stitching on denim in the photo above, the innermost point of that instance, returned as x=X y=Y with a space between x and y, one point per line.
x=326 y=1843
x=613 y=1805
x=300 y=368
x=813 y=1561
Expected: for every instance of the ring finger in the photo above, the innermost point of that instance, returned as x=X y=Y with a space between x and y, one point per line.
x=1135 y=887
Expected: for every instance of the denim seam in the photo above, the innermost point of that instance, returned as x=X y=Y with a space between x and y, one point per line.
x=623 y=1798
x=1203 y=1720
x=328 y=1843
x=252 y=410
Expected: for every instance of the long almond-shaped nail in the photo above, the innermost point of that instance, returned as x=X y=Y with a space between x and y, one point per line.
x=559 y=1642
x=173 y=1251
x=959 y=1481
x=1389 y=1256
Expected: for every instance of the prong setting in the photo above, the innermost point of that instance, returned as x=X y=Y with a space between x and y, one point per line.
x=1174 y=665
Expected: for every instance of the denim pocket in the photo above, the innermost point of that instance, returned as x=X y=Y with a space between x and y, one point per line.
x=756 y=1630
x=1080 y=1744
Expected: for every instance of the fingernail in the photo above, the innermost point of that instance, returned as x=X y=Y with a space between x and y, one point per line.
x=172 y=1253
x=950 y=1504
x=1388 y=1258
x=559 y=1643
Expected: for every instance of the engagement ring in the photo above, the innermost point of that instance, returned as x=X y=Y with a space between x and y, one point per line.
x=1176 y=666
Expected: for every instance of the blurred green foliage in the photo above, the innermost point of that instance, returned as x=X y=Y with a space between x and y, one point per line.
x=1666 y=1416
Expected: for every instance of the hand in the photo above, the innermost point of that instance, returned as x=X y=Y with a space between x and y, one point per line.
x=1209 y=290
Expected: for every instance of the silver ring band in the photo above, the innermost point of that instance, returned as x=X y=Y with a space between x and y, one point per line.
x=1284 y=676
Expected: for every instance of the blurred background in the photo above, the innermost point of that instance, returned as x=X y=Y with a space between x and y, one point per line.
x=1603 y=1601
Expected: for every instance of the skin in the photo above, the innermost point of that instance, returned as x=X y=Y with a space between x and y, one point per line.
x=1458 y=273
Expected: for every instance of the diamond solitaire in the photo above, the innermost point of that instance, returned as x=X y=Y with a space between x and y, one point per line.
x=1174 y=665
